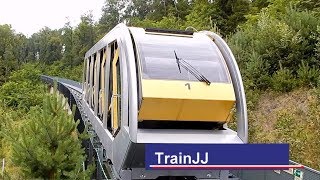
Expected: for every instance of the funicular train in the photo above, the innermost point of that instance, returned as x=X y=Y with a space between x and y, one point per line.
x=161 y=86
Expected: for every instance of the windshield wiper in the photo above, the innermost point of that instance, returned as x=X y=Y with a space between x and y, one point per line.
x=182 y=63
x=177 y=61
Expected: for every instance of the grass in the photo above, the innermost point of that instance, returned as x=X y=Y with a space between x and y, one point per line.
x=292 y=118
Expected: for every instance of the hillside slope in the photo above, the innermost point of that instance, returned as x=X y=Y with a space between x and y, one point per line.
x=292 y=118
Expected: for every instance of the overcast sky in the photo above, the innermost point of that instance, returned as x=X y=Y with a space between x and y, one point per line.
x=29 y=16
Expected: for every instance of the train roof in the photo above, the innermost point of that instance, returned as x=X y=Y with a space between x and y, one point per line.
x=121 y=30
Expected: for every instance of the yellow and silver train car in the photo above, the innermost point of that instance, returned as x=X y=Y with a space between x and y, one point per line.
x=161 y=86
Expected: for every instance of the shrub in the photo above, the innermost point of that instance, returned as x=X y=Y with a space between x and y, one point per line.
x=308 y=76
x=278 y=34
x=256 y=74
x=24 y=88
x=283 y=80
x=60 y=69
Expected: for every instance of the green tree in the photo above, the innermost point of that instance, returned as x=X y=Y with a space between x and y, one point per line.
x=47 y=144
x=47 y=44
x=139 y=9
x=31 y=48
x=280 y=35
x=8 y=58
x=200 y=15
x=67 y=39
x=10 y=62
x=83 y=38
x=143 y=12
x=21 y=49
x=112 y=14
x=6 y=38
x=226 y=15
x=161 y=9
x=257 y=5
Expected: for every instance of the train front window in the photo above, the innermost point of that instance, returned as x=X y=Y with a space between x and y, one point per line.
x=158 y=61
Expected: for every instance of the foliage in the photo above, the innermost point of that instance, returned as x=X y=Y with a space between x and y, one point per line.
x=111 y=16
x=10 y=120
x=60 y=69
x=279 y=34
x=308 y=76
x=84 y=37
x=12 y=51
x=256 y=74
x=317 y=48
x=199 y=14
x=68 y=44
x=283 y=80
x=47 y=45
x=252 y=98
x=24 y=89
x=47 y=145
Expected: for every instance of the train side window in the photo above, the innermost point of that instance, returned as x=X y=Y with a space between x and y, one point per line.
x=84 y=70
x=110 y=58
x=96 y=83
x=114 y=95
x=87 y=79
x=117 y=85
x=91 y=80
x=102 y=93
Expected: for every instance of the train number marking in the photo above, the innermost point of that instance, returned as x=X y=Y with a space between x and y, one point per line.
x=187 y=84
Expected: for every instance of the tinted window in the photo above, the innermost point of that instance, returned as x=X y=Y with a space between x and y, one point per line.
x=158 y=59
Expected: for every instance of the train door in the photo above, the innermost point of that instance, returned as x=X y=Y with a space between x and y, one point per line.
x=114 y=97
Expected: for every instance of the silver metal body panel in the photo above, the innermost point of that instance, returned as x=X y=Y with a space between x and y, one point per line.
x=120 y=148
x=104 y=135
x=242 y=117
x=141 y=173
x=188 y=136
x=116 y=148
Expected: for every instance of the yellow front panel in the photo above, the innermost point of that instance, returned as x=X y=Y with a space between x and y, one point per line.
x=185 y=101
x=159 y=109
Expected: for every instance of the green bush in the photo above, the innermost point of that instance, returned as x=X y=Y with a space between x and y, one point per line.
x=256 y=74
x=24 y=88
x=29 y=72
x=317 y=48
x=283 y=80
x=60 y=69
x=21 y=95
x=308 y=76
x=278 y=34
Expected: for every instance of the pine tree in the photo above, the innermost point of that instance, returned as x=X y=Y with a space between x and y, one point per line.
x=67 y=38
x=47 y=145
